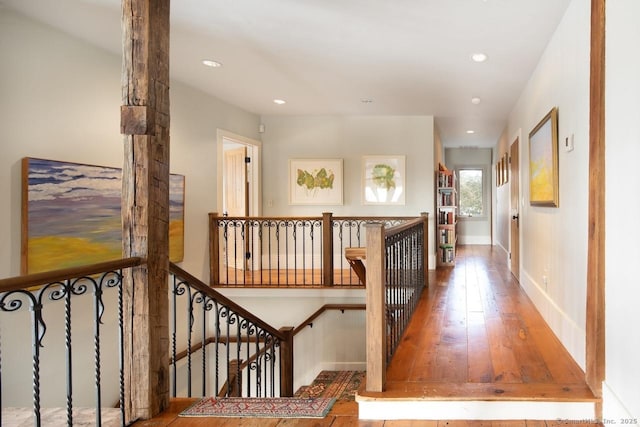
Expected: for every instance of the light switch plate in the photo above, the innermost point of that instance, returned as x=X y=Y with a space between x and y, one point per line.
x=568 y=143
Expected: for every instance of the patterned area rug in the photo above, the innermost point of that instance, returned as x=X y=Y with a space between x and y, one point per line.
x=342 y=385
x=275 y=407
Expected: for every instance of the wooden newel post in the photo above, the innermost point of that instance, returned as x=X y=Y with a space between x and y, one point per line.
x=286 y=362
x=145 y=205
x=425 y=247
x=214 y=250
x=376 y=308
x=327 y=248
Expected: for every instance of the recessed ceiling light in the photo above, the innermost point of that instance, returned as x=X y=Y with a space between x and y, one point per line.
x=471 y=131
x=211 y=63
x=279 y=101
x=479 y=57
x=475 y=100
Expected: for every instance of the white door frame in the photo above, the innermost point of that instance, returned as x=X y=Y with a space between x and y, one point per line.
x=253 y=171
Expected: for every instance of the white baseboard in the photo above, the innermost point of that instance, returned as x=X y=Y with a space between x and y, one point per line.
x=570 y=334
x=474 y=240
x=473 y=410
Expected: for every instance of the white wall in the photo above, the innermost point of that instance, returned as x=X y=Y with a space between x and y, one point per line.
x=60 y=100
x=349 y=138
x=622 y=128
x=554 y=240
x=501 y=201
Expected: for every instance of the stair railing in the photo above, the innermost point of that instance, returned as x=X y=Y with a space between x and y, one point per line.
x=51 y=297
x=242 y=353
x=396 y=274
x=229 y=388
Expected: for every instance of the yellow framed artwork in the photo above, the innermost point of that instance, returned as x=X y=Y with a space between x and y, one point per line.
x=543 y=161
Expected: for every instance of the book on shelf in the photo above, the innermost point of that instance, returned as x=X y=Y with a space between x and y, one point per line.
x=447 y=237
x=445 y=179
x=447 y=255
x=446 y=218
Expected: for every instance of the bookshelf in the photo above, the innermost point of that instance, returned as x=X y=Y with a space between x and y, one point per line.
x=447 y=217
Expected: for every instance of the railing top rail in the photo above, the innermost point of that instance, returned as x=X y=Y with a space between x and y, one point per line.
x=38 y=279
x=198 y=284
x=403 y=227
x=312 y=218
x=268 y=218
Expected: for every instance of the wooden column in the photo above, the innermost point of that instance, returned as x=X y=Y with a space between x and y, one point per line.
x=376 y=309
x=286 y=362
x=327 y=249
x=214 y=249
x=595 y=327
x=145 y=204
x=425 y=248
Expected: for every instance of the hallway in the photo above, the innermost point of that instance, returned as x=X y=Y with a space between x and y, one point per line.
x=477 y=336
x=474 y=335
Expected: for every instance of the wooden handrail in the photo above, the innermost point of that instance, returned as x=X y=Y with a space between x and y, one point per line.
x=402 y=227
x=326 y=307
x=300 y=327
x=196 y=283
x=219 y=272
x=39 y=279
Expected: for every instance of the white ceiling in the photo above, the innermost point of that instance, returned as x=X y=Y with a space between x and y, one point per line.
x=411 y=57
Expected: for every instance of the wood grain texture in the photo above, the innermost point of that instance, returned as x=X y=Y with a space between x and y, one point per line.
x=145 y=203
x=375 y=312
x=475 y=334
x=595 y=327
x=479 y=273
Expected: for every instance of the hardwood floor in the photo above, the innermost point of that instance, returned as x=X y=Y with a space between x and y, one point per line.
x=474 y=335
x=343 y=413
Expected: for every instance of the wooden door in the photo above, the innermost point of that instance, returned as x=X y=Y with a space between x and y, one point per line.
x=514 y=171
x=235 y=182
x=236 y=203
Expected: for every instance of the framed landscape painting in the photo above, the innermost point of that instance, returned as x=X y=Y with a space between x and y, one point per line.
x=383 y=180
x=71 y=215
x=315 y=181
x=543 y=161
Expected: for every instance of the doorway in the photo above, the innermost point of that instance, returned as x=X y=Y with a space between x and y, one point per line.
x=227 y=142
x=514 y=171
x=238 y=191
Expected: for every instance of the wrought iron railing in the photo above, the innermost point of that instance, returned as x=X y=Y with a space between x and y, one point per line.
x=60 y=292
x=396 y=274
x=286 y=251
x=241 y=355
x=406 y=269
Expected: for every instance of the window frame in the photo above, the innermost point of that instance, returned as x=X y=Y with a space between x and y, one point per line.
x=485 y=214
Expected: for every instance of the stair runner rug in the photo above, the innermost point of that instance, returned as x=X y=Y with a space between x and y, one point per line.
x=342 y=385
x=273 y=407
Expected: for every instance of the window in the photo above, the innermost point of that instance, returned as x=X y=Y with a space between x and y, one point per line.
x=471 y=192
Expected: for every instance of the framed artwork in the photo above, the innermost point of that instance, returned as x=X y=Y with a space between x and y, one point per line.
x=505 y=162
x=315 y=181
x=543 y=161
x=383 y=180
x=71 y=215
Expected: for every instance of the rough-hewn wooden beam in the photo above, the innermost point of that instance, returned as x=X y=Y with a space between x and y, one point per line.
x=145 y=204
x=595 y=327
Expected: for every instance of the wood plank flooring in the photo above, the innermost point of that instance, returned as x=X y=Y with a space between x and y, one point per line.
x=475 y=334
